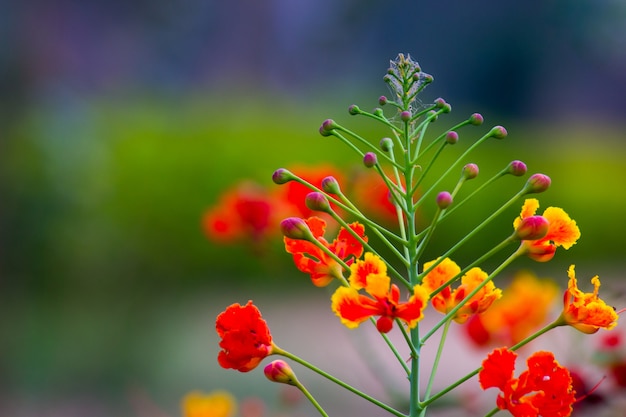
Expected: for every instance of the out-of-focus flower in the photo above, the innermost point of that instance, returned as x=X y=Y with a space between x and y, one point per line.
x=447 y=299
x=371 y=195
x=562 y=231
x=611 y=355
x=246 y=338
x=247 y=211
x=294 y=194
x=545 y=389
x=383 y=301
x=311 y=259
x=523 y=308
x=586 y=312
x=214 y=404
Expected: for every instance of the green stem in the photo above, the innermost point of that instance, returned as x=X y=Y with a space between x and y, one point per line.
x=279 y=351
x=310 y=397
x=335 y=133
x=442 y=342
x=493 y=412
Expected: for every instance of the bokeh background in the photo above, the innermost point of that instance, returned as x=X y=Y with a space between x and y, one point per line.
x=122 y=122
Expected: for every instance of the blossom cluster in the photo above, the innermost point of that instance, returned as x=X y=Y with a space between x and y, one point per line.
x=392 y=289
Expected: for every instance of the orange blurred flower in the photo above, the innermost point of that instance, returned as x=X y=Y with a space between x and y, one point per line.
x=353 y=307
x=586 y=312
x=523 y=308
x=294 y=194
x=544 y=389
x=371 y=195
x=310 y=259
x=215 y=404
x=562 y=231
x=247 y=211
x=246 y=338
x=447 y=299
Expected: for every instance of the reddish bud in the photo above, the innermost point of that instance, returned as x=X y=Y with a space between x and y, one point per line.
x=476 y=119
x=517 y=168
x=498 y=132
x=532 y=228
x=538 y=183
x=317 y=202
x=354 y=109
x=282 y=176
x=296 y=228
x=327 y=127
x=452 y=137
x=330 y=185
x=382 y=100
x=280 y=371
x=470 y=171
x=444 y=199
x=405 y=116
x=370 y=159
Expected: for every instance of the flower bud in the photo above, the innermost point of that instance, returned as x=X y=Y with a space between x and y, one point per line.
x=327 y=127
x=330 y=185
x=282 y=176
x=452 y=137
x=370 y=159
x=433 y=115
x=498 y=132
x=405 y=116
x=384 y=324
x=442 y=104
x=517 y=168
x=317 y=202
x=296 y=228
x=470 y=171
x=354 y=109
x=476 y=119
x=532 y=228
x=386 y=144
x=444 y=199
x=427 y=78
x=538 y=183
x=280 y=371
x=382 y=100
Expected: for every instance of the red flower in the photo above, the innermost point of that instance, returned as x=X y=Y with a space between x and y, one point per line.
x=545 y=389
x=246 y=211
x=310 y=259
x=295 y=193
x=246 y=339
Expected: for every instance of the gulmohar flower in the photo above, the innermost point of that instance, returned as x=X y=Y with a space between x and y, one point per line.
x=383 y=301
x=214 y=404
x=246 y=338
x=447 y=299
x=586 y=312
x=544 y=389
x=310 y=259
x=523 y=308
x=562 y=231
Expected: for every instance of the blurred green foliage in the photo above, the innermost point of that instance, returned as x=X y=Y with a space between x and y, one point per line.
x=108 y=193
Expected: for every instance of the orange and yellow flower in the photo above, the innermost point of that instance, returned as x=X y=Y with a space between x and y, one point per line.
x=562 y=231
x=214 y=404
x=523 y=308
x=246 y=338
x=383 y=299
x=545 y=389
x=447 y=299
x=312 y=260
x=586 y=312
